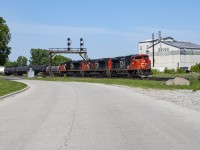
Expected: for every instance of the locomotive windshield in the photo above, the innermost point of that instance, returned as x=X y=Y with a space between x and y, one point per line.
x=138 y=57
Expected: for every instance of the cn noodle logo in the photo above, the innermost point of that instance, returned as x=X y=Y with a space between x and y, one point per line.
x=143 y=64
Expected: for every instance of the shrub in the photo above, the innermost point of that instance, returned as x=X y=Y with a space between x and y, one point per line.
x=169 y=71
x=195 y=68
x=181 y=70
x=155 y=71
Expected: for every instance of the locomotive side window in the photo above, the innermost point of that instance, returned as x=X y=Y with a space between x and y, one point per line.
x=146 y=57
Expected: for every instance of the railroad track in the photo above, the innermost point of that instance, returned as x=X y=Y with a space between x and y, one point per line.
x=138 y=78
x=157 y=78
x=100 y=77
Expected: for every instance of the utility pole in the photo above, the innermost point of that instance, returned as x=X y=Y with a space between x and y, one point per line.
x=21 y=60
x=153 y=47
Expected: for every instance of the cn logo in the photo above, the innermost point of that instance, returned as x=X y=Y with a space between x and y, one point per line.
x=71 y=66
x=143 y=64
x=122 y=64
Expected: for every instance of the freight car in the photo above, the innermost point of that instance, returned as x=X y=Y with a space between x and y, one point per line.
x=53 y=70
x=9 y=71
x=20 y=70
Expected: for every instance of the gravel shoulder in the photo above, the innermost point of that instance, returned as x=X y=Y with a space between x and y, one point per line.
x=186 y=98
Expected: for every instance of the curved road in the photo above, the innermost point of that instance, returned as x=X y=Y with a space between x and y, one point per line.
x=84 y=116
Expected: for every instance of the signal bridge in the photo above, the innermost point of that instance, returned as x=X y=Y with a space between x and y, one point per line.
x=81 y=51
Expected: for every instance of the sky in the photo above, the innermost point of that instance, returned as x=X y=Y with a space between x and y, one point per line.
x=109 y=27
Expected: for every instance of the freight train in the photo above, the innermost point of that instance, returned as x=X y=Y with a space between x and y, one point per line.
x=126 y=66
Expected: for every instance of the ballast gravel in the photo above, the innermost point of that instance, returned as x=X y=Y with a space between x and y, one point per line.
x=186 y=98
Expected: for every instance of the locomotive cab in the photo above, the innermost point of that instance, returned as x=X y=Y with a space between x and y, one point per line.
x=140 y=65
x=139 y=62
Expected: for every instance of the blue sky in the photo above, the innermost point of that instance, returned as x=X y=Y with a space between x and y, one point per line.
x=109 y=27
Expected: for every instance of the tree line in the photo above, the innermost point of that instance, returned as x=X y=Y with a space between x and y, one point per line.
x=38 y=56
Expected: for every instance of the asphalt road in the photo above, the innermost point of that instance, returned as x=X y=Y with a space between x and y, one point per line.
x=84 y=116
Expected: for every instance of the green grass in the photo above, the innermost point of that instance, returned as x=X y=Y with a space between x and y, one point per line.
x=195 y=85
x=7 y=86
x=173 y=75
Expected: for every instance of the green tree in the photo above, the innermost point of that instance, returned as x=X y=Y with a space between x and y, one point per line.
x=39 y=57
x=22 y=61
x=11 y=64
x=58 y=59
x=5 y=37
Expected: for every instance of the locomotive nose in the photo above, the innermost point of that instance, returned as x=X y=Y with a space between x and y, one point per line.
x=148 y=64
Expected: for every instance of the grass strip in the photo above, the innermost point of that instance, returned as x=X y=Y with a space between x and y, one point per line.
x=7 y=86
x=195 y=84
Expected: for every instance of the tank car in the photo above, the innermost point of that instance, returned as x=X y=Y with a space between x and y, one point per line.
x=20 y=70
x=39 y=68
x=53 y=69
x=9 y=71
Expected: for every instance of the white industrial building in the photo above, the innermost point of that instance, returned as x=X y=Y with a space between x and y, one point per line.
x=170 y=53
